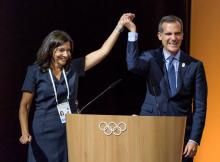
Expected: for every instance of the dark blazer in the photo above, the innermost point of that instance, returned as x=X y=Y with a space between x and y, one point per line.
x=191 y=97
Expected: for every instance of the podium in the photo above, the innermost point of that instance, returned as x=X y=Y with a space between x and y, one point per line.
x=114 y=138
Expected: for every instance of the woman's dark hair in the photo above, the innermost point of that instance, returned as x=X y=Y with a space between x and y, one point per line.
x=53 y=40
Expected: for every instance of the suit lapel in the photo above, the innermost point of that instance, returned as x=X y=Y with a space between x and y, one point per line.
x=183 y=66
x=159 y=57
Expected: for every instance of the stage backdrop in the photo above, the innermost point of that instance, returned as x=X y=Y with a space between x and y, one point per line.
x=205 y=45
x=24 y=24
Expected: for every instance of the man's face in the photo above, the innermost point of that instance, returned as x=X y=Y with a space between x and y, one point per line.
x=171 y=37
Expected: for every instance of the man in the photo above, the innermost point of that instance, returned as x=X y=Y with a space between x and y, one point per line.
x=176 y=82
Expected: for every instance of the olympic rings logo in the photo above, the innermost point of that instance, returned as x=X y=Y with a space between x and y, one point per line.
x=112 y=128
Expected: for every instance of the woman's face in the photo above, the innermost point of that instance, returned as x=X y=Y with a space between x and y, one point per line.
x=61 y=55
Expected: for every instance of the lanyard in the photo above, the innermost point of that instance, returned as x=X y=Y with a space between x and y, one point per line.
x=54 y=88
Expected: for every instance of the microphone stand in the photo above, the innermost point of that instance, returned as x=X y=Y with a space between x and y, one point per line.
x=102 y=93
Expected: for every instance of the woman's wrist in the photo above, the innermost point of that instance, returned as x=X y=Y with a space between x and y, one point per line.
x=119 y=28
x=25 y=133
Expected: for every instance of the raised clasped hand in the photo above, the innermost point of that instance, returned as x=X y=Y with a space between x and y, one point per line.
x=126 y=21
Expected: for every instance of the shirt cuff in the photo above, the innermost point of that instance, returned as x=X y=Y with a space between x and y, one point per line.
x=132 y=36
x=193 y=141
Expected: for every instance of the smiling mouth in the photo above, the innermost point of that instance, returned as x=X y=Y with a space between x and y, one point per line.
x=63 y=58
x=174 y=44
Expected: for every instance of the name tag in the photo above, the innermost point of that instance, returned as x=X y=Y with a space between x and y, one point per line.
x=63 y=109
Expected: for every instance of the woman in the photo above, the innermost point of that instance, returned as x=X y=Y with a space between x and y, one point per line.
x=52 y=81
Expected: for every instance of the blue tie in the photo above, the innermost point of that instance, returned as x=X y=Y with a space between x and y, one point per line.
x=172 y=75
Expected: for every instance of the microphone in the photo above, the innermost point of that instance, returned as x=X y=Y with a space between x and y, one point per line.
x=155 y=97
x=102 y=93
x=115 y=83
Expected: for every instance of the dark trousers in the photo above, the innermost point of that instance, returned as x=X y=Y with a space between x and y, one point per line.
x=187 y=160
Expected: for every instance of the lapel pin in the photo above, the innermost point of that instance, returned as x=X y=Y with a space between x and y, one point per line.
x=183 y=64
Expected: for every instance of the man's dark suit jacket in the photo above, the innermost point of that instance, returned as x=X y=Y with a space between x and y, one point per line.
x=191 y=97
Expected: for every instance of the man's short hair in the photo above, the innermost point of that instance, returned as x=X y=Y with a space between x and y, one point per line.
x=169 y=19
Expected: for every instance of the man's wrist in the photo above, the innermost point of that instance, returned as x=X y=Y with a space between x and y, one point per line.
x=132 y=36
x=193 y=141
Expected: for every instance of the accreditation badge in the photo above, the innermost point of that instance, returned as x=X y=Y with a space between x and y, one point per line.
x=63 y=109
